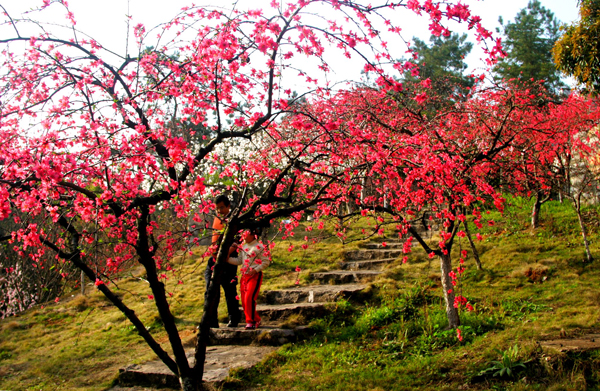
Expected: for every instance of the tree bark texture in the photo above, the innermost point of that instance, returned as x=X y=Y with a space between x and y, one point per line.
x=586 y=243
x=473 y=248
x=451 y=311
x=535 y=212
x=215 y=285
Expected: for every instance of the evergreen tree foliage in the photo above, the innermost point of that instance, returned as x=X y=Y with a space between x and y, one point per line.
x=442 y=61
x=528 y=44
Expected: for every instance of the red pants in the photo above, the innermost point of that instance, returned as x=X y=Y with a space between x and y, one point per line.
x=250 y=287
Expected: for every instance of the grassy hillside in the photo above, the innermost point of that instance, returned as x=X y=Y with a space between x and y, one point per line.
x=534 y=286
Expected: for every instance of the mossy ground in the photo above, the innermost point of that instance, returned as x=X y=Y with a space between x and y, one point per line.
x=535 y=285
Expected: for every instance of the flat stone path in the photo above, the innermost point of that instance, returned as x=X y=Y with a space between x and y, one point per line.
x=579 y=344
x=240 y=348
x=345 y=276
x=220 y=360
x=312 y=293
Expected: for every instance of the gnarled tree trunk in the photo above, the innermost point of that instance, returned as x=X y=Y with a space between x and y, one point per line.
x=204 y=333
x=535 y=211
x=449 y=294
x=473 y=248
x=586 y=242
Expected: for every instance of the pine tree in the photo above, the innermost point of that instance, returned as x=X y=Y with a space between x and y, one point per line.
x=528 y=44
x=442 y=61
x=441 y=65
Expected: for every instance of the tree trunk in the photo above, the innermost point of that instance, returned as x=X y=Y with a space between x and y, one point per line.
x=215 y=285
x=451 y=311
x=535 y=212
x=191 y=384
x=146 y=258
x=473 y=248
x=583 y=231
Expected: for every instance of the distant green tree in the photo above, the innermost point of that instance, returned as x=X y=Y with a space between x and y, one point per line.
x=577 y=52
x=528 y=44
x=442 y=62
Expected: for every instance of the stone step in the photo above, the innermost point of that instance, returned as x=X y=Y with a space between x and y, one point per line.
x=264 y=336
x=380 y=246
x=360 y=255
x=368 y=265
x=219 y=361
x=345 y=276
x=312 y=294
x=579 y=344
x=269 y=313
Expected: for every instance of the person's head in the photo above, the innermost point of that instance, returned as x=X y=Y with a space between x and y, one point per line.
x=250 y=235
x=222 y=205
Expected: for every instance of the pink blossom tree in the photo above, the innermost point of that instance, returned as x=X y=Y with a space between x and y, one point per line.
x=101 y=151
x=428 y=167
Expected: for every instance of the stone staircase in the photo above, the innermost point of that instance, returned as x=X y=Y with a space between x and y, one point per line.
x=285 y=315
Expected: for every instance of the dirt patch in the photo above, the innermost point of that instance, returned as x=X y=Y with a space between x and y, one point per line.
x=536 y=274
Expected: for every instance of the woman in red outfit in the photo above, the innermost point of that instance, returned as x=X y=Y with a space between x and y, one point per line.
x=253 y=258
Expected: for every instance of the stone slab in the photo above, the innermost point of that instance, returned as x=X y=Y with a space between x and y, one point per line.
x=219 y=361
x=265 y=335
x=312 y=294
x=282 y=311
x=345 y=276
x=380 y=246
x=362 y=255
x=369 y=265
x=581 y=344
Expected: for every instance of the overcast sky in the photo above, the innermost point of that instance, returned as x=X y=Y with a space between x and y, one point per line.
x=106 y=20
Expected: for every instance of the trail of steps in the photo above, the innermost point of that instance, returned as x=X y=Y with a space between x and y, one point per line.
x=279 y=310
x=345 y=276
x=369 y=265
x=219 y=360
x=312 y=294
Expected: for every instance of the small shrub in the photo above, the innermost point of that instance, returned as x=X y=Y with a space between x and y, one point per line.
x=507 y=367
x=403 y=308
x=80 y=303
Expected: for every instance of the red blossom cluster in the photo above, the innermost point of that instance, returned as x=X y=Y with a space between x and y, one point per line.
x=110 y=161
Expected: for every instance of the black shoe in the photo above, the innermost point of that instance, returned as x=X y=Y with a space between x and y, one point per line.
x=232 y=324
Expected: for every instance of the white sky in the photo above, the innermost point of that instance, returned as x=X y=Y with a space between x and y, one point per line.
x=106 y=20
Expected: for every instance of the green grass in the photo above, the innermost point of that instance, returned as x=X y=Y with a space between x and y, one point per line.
x=534 y=286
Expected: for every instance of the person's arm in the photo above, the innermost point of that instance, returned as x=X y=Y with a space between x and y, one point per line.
x=217 y=227
x=238 y=255
x=235 y=260
x=261 y=262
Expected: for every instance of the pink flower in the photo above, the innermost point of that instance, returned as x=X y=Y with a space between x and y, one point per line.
x=298 y=269
x=459 y=335
x=150 y=297
x=98 y=282
x=414 y=5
